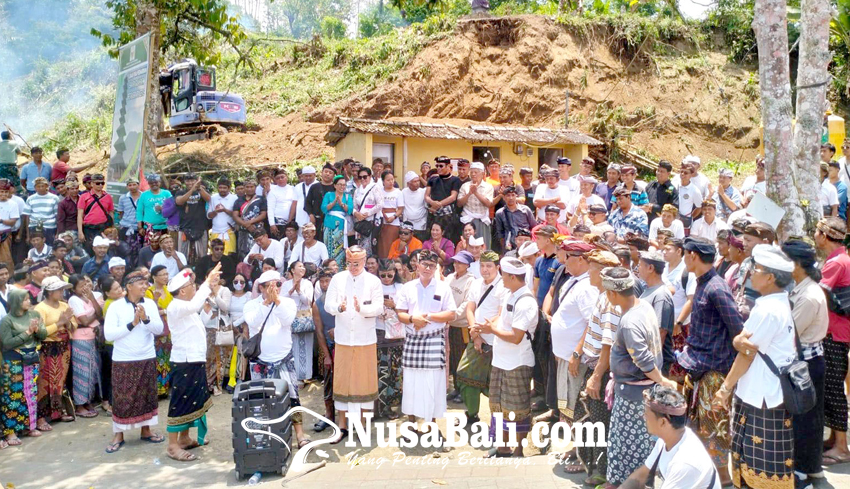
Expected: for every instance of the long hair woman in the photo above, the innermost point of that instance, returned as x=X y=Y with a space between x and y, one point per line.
x=21 y=332
x=300 y=290
x=85 y=359
x=389 y=349
x=239 y=296
x=158 y=291
x=392 y=210
x=336 y=205
x=216 y=316
x=55 y=352
x=112 y=291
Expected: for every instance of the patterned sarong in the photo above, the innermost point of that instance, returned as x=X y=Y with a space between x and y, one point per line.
x=134 y=398
x=85 y=365
x=162 y=344
x=473 y=370
x=18 y=396
x=190 y=399
x=284 y=370
x=595 y=459
x=762 y=447
x=629 y=444
x=389 y=373
x=711 y=426
x=510 y=391
x=53 y=371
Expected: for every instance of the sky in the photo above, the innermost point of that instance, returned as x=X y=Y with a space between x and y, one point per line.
x=695 y=9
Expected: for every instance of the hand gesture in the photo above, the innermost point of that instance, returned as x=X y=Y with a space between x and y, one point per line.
x=592 y=388
x=356 y=304
x=137 y=315
x=342 y=306
x=721 y=399
x=389 y=303
x=157 y=295
x=419 y=322
x=486 y=327
x=207 y=306
x=33 y=329
x=669 y=383
x=214 y=275
x=143 y=315
x=328 y=363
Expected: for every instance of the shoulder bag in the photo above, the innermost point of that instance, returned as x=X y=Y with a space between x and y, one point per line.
x=366 y=227
x=798 y=391
x=109 y=220
x=251 y=346
x=838 y=300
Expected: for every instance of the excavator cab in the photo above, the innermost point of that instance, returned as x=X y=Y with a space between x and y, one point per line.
x=190 y=98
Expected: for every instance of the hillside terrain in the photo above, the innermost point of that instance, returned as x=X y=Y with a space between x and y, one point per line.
x=660 y=95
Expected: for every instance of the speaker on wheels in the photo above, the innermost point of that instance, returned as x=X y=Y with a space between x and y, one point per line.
x=265 y=399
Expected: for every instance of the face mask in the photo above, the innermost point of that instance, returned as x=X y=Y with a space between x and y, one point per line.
x=238 y=286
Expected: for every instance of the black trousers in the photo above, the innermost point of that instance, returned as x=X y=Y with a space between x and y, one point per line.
x=835 y=402
x=808 y=427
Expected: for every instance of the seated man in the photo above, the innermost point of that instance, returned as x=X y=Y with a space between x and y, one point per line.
x=679 y=456
x=406 y=242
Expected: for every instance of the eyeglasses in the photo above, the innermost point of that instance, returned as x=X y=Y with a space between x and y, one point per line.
x=429 y=265
x=440 y=167
x=404 y=233
x=363 y=177
x=387 y=275
x=218 y=248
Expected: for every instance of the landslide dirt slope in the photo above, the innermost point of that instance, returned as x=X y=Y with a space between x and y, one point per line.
x=516 y=71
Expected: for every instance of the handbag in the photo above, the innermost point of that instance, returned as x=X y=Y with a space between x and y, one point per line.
x=303 y=323
x=393 y=327
x=224 y=338
x=839 y=301
x=251 y=347
x=798 y=391
x=367 y=226
x=29 y=356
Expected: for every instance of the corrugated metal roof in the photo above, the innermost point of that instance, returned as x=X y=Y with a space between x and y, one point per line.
x=472 y=132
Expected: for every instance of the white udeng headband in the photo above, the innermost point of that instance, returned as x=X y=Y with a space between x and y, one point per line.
x=509 y=265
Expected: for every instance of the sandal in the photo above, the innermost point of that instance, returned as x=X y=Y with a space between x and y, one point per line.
x=154 y=438
x=114 y=447
x=67 y=418
x=343 y=434
x=44 y=427
x=833 y=460
x=195 y=444
x=182 y=456
x=14 y=442
x=34 y=433
x=86 y=414
x=303 y=443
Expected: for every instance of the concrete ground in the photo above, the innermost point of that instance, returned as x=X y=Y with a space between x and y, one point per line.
x=72 y=456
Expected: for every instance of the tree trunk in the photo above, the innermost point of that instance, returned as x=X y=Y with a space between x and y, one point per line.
x=770 y=24
x=812 y=75
x=148 y=20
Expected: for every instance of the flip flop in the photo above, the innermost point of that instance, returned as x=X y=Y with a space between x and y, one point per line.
x=87 y=414
x=15 y=442
x=195 y=444
x=155 y=438
x=67 y=418
x=3 y=444
x=831 y=460
x=303 y=443
x=183 y=457
x=34 y=433
x=44 y=427
x=343 y=436
x=114 y=447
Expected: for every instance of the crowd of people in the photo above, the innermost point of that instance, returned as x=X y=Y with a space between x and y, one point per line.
x=664 y=311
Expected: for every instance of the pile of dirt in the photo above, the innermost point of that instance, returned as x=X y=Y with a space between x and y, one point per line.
x=517 y=70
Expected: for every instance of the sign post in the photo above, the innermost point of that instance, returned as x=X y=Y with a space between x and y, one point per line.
x=128 y=121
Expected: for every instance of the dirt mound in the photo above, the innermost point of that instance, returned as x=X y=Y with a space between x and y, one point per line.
x=518 y=70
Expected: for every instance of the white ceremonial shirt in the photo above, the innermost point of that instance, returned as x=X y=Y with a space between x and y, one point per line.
x=546 y=193
x=355 y=328
x=578 y=297
x=188 y=334
x=676 y=227
x=700 y=229
x=169 y=263
x=685 y=466
x=275 y=251
x=508 y=356
x=772 y=326
x=131 y=346
x=279 y=203
x=416 y=299
x=415 y=210
x=492 y=304
x=222 y=222
x=309 y=254
x=277 y=334
x=301 y=216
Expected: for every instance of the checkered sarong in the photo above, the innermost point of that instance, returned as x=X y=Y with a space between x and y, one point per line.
x=510 y=390
x=425 y=350
x=762 y=447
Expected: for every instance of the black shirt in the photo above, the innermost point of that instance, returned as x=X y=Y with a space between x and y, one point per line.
x=659 y=195
x=206 y=263
x=193 y=215
x=313 y=203
x=442 y=187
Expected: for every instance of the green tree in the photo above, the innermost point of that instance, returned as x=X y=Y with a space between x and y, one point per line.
x=303 y=18
x=333 y=28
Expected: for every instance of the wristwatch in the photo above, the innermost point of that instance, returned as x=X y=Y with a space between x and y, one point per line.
x=577 y=354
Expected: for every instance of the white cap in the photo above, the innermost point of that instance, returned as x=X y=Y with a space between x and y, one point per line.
x=117 y=261
x=268 y=276
x=771 y=256
x=692 y=159
x=54 y=283
x=101 y=241
x=308 y=170
x=512 y=266
x=410 y=176
x=528 y=248
x=476 y=165
x=180 y=280
x=473 y=241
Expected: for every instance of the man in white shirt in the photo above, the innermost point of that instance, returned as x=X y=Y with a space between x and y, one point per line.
x=368 y=199
x=415 y=210
x=585 y=197
x=173 y=260
x=577 y=300
x=475 y=247
x=476 y=198
x=485 y=304
x=683 y=289
x=274 y=314
x=223 y=225
x=513 y=356
x=754 y=184
x=551 y=194
x=679 y=457
x=565 y=167
x=190 y=397
x=10 y=216
x=308 y=179
x=708 y=225
x=281 y=203
x=265 y=247
x=690 y=196
x=426 y=306
x=355 y=298
x=308 y=250
x=131 y=324
x=697 y=177
x=828 y=193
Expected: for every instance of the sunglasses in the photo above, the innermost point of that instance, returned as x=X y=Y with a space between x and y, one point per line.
x=218 y=248
x=97 y=183
x=363 y=177
x=386 y=275
x=404 y=233
x=440 y=167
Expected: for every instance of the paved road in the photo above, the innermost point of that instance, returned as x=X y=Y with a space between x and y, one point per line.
x=72 y=456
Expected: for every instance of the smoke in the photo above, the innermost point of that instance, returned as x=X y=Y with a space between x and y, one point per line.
x=50 y=64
